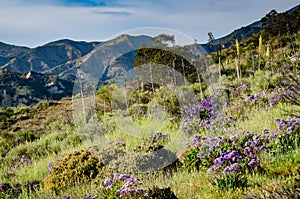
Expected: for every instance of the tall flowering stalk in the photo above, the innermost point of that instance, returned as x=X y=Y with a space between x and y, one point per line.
x=260 y=50
x=237 y=43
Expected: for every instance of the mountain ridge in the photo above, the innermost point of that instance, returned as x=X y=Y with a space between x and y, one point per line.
x=104 y=61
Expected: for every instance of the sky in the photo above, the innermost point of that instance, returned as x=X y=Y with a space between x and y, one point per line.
x=36 y=22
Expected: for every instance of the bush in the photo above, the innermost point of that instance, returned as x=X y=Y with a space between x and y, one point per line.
x=77 y=167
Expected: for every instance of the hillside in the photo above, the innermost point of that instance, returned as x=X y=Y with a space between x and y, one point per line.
x=48 y=56
x=54 y=66
x=11 y=51
x=246 y=32
x=227 y=130
x=108 y=61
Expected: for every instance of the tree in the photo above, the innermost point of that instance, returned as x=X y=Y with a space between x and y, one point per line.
x=166 y=57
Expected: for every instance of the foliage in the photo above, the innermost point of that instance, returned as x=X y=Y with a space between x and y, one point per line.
x=122 y=185
x=168 y=58
x=232 y=181
x=76 y=167
x=222 y=151
x=155 y=142
x=9 y=191
x=288 y=133
x=281 y=23
x=104 y=98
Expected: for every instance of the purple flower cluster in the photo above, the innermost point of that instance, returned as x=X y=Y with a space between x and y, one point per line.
x=120 y=143
x=200 y=115
x=20 y=160
x=235 y=167
x=126 y=183
x=263 y=98
x=230 y=154
x=290 y=126
x=287 y=133
x=197 y=139
x=230 y=158
x=159 y=136
x=242 y=88
x=25 y=160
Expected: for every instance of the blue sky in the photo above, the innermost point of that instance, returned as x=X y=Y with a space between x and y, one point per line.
x=36 y=22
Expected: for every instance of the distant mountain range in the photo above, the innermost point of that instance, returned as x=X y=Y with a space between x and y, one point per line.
x=49 y=71
x=28 y=75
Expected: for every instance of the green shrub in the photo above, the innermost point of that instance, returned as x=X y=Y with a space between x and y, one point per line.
x=27 y=136
x=77 y=167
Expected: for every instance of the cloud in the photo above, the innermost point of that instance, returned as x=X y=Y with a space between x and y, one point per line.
x=115 y=13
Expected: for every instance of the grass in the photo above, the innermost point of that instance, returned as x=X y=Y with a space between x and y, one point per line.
x=196 y=184
x=258 y=120
x=58 y=134
x=182 y=182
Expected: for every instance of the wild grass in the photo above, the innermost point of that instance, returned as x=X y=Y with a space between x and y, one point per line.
x=26 y=160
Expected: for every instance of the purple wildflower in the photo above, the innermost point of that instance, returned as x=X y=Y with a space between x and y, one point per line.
x=121 y=144
x=232 y=168
x=140 y=111
x=123 y=177
x=197 y=141
x=251 y=154
x=246 y=150
x=273 y=135
x=220 y=142
x=200 y=155
x=89 y=197
x=108 y=182
x=116 y=176
x=253 y=163
x=290 y=128
x=265 y=131
x=50 y=167
x=25 y=160
x=247 y=133
x=139 y=191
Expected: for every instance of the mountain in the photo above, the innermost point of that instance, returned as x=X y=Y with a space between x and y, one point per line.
x=30 y=88
x=241 y=33
x=48 y=56
x=49 y=71
x=107 y=61
x=8 y=52
x=28 y=75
